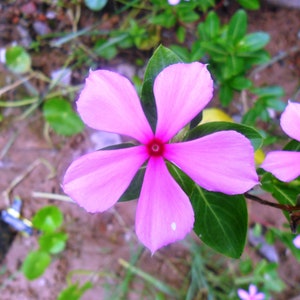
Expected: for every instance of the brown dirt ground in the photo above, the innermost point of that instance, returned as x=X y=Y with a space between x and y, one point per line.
x=105 y=238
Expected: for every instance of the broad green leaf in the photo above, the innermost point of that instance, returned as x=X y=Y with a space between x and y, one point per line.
x=48 y=219
x=35 y=264
x=211 y=127
x=59 y=114
x=253 y=42
x=258 y=57
x=205 y=4
x=212 y=25
x=95 y=5
x=187 y=15
x=220 y=221
x=74 y=291
x=249 y=4
x=17 y=59
x=161 y=58
x=237 y=26
x=54 y=242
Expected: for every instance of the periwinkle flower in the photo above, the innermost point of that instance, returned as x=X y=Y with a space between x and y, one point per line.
x=221 y=162
x=296 y=241
x=285 y=165
x=253 y=294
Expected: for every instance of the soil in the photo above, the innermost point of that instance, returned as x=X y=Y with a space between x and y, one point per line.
x=98 y=242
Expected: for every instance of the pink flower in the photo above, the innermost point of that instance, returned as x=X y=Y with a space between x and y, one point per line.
x=221 y=162
x=285 y=165
x=252 y=295
x=173 y=2
x=296 y=241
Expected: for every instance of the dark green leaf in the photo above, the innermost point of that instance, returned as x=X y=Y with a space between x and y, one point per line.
x=233 y=66
x=59 y=114
x=48 y=219
x=253 y=42
x=211 y=127
x=161 y=58
x=134 y=189
x=220 y=221
x=249 y=4
x=237 y=26
x=54 y=242
x=293 y=145
x=212 y=25
x=268 y=92
x=95 y=5
x=216 y=51
x=17 y=59
x=35 y=264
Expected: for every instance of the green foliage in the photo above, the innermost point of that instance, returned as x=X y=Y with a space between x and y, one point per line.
x=35 y=264
x=17 y=59
x=74 y=291
x=48 y=220
x=59 y=113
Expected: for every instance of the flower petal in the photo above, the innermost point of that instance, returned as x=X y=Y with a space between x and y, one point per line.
x=290 y=120
x=285 y=165
x=252 y=290
x=109 y=102
x=243 y=294
x=181 y=91
x=164 y=213
x=220 y=162
x=296 y=241
x=97 y=180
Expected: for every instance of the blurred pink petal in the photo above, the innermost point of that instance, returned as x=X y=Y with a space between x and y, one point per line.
x=181 y=92
x=173 y=2
x=97 y=180
x=244 y=295
x=109 y=102
x=290 y=120
x=164 y=212
x=285 y=165
x=252 y=295
x=220 y=162
x=296 y=241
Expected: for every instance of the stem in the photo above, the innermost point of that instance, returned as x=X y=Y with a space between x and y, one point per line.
x=294 y=211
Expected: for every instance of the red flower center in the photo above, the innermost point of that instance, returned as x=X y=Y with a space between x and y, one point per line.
x=156 y=147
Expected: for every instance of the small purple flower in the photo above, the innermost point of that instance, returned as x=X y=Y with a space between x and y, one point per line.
x=173 y=2
x=285 y=165
x=221 y=162
x=251 y=295
x=296 y=241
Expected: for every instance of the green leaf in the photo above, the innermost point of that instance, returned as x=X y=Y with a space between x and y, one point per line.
x=95 y=5
x=240 y=83
x=187 y=15
x=293 y=145
x=237 y=26
x=54 y=242
x=225 y=94
x=104 y=48
x=35 y=264
x=48 y=219
x=134 y=189
x=17 y=59
x=233 y=66
x=220 y=221
x=253 y=135
x=161 y=58
x=59 y=114
x=268 y=92
x=253 y=42
x=212 y=25
x=249 y=4
x=216 y=51
x=74 y=291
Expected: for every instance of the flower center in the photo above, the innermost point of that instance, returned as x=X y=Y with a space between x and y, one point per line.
x=156 y=147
